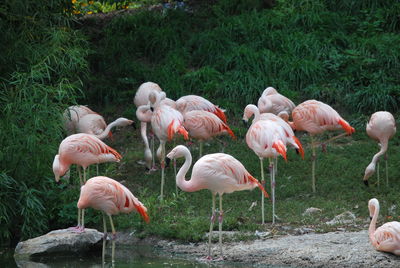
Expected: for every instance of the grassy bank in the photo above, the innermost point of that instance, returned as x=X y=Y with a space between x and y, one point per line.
x=186 y=215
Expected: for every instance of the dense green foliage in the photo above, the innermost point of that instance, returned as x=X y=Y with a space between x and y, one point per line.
x=41 y=62
x=340 y=52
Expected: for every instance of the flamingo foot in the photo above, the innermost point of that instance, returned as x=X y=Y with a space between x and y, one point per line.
x=77 y=229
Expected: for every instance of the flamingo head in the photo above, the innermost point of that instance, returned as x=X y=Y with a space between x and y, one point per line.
x=373 y=204
x=369 y=171
x=177 y=152
x=123 y=122
x=57 y=168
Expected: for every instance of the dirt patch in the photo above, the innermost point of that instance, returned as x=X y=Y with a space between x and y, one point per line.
x=334 y=249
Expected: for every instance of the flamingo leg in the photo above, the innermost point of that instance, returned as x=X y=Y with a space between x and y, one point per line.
x=162 y=169
x=272 y=175
x=386 y=169
x=200 y=149
x=262 y=195
x=220 y=220
x=212 y=220
x=152 y=149
x=176 y=186
x=114 y=234
x=103 y=253
x=377 y=172
x=313 y=157
x=276 y=166
x=97 y=169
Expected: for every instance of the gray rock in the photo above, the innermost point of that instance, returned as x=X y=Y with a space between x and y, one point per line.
x=311 y=210
x=344 y=218
x=59 y=241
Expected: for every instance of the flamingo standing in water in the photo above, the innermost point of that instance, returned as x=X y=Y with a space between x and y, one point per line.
x=220 y=173
x=381 y=127
x=316 y=117
x=203 y=125
x=273 y=102
x=193 y=102
x=111 y=197
x=268 y=140
x=387 y=237
x=84 y=150
x=142 y=98
x=165 y=122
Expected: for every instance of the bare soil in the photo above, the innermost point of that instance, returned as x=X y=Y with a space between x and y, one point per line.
x=333 y=249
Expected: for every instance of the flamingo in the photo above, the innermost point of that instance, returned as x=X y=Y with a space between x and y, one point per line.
x=203 y=125
x=273 y=102
x=220 y=173
x=268 y=140
x=94 y=124
x=387 y=237
x=316 y=117
x=111 y=197
x=84 y=150
x=72 y=115
x=381 y=127
x=193 y=102
x=292 y=140
x=165 y=122
x=142 y=98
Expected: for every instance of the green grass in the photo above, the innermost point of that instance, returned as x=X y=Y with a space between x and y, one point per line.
x=185 y=216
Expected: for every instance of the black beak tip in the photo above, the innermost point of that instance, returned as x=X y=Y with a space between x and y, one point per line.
x=370 y=218
x=167 y=161
x=297 y=151
x=366 y=183
x=58 y=182
x=245 y=122
x=152 y=109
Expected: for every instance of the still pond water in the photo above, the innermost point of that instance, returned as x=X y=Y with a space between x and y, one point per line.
x=144 y=256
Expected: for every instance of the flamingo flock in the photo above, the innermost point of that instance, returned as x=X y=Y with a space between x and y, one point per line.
x=276 y=121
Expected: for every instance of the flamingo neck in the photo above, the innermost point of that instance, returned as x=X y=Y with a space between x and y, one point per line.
x=372 y=225
x=382 y=151
x=106 y=131
x=182 y=183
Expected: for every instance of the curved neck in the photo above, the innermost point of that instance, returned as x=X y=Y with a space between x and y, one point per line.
x=253 y=110
x=105 y=133
x=382 y=151
x=182 y=183
x=143 y=133
x=372 y=225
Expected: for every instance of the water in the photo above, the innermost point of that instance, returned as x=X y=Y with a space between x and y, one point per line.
x=134 y=256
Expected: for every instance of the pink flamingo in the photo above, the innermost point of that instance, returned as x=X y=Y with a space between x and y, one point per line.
x=381 y=127
x=72 y=116
x=316 y=117
x=273 y=102
x=84 y=150
x=292 y=140
x=203 y=125
x=95 y=124
x=268 y=140
x=387 y=237
x=142 y=98
x=165 y=122
x=111 y=197
x=193 y=102
x=220 y=173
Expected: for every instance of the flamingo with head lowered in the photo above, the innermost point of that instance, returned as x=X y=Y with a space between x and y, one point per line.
x=84 y=150
x=315 y=117
x=220 y=173
x=381 y=127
